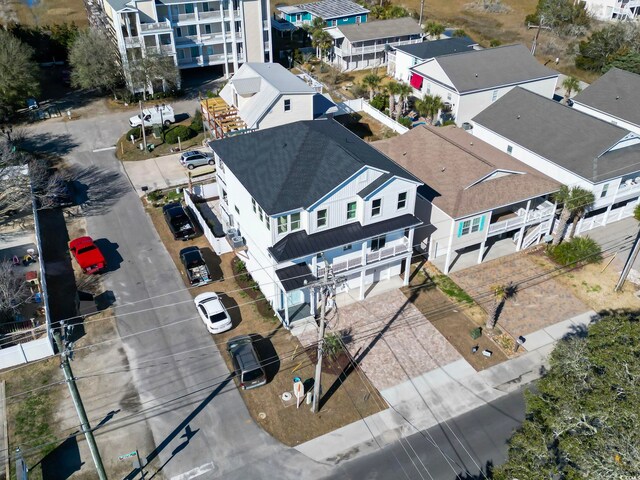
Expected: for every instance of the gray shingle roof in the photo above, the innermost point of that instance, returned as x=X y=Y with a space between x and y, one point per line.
x=292 y=166
x=279 y=77
x=437 y=48
x=381 y=29
x=294 y=276
x=617 y=93
x=300 y=244
x=563 y=135
x=328 y=9
x=489 y=68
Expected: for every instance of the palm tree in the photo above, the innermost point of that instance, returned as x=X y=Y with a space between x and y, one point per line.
x=581 y=205
x=434 y=29
x=404 y=91
x=501 y=293
x=572 y=200
x=371 y=82
x=321 y=41
x=633 y=254
x=570 y=84
x=393 y=88
x=429 y=107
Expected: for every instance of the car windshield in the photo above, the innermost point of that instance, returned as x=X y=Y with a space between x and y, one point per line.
x=217 y=317
x=86 y=249
x=251 y=375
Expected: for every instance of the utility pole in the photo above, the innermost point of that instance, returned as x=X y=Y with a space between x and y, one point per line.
x=144 y=137
x=633 y=254
x=77 y=401
x=421 y=11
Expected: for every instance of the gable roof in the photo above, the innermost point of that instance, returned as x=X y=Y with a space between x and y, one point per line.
x=327 y=9
x=292 y=166
x=565 y=136
x=617 y=93
x=459 y=170
x=437 y=48
x=489 y=68
x=266 y=81
x=381 y=29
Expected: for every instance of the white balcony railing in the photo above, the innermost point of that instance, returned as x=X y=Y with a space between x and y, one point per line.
x=536 y=215
x=187 y=39
x=344 y=263
x=161 y=50
x=185 y=17
x=209 y=16
x=155 y=27
x=370 y=48
x=132 y=42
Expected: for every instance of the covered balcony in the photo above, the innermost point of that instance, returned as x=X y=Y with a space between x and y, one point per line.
x=517 y=218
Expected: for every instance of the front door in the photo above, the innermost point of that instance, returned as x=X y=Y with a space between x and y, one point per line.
x=295 y=298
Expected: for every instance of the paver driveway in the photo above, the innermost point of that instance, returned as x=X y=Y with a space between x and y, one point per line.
x=541 y=301
x=390 y=339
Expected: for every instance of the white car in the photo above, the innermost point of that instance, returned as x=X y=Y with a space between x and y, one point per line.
x=213 y=314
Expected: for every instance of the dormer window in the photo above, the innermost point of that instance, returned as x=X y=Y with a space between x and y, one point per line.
x=321 y=219
x=282 y=224
x=376 y=207
x=295 y=221
x=287 y=105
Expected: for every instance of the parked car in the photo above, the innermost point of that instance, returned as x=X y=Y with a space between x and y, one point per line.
x=193 y=261
x=178 y=220
x=160 y=114
x=195 y=158
x=87 y=254
x=212 y=312
x=246 y=362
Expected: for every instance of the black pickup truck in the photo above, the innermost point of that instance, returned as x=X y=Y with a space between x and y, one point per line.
x=179 y=222
x=197 y=271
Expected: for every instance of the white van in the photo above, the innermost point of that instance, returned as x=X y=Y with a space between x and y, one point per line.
x=154 y=115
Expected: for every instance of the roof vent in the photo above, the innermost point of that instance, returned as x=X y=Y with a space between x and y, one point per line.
x=518 y=116
x=476 y=75
x=617 y=97
x=471 y=143
x=404 y=153
x=443 y=169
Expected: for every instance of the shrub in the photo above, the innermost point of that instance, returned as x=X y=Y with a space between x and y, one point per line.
x=405 y=122
x=577 y=250
x=332 y=345
x=185 y=133
x=495 y=43
x=196 y=123
x=380 y=102
x=476 y=333
x=155 y=195
x=241 y=266
x=137 y=133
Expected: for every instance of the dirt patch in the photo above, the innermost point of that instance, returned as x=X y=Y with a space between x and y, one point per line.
x=365 y=126
x=452 y=321
x=348 y=397
x=48 y=12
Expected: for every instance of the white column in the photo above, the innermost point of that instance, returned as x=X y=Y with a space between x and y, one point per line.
x=484 y=242
x=286 y=308
x=364 y=253
x=407 y=265
x=362 y=275
x=552 y=219
x=232 y=22
x=526 y=216
x=449 y=248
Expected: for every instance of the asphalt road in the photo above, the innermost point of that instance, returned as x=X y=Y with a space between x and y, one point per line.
x=198 y=421
x=461 y=448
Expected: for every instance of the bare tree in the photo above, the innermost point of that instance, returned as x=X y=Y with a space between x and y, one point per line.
x=14 y=290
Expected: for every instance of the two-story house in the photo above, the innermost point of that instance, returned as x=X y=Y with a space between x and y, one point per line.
x=469 y=82
x=614 y=98
x=402 y=57
x=312 y=195
x=477 y=202
x=226 y=33
x=613 y=9
x=333 y=12
x=259 y=96
x=367 y=45
x=569 y=146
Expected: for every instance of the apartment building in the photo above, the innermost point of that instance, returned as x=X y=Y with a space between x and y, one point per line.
x=195 y=33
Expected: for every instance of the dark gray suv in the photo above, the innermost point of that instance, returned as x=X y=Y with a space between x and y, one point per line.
x=246 y=362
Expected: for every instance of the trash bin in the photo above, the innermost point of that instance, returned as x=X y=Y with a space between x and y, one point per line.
x=150 y=147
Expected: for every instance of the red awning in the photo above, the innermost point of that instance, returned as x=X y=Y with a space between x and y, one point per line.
x=416 y=81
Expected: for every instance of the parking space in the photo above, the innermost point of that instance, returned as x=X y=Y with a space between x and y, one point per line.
x=541 y=300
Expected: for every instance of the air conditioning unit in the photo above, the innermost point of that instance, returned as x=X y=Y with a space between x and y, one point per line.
x=237 y=242
x=232 y=232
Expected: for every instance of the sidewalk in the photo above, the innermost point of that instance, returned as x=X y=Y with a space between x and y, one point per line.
x=439 y=395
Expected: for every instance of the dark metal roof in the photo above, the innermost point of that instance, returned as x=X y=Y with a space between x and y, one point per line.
x=615 y=93
x=436 y=48
x=378 y=182
x=293 y=277
x=292 y=166
x=565 y=136
x=301 y=244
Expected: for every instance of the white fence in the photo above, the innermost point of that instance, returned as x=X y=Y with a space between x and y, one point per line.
x=219 y=245
x=361 y=105
x=602 y=219
x=25 y=352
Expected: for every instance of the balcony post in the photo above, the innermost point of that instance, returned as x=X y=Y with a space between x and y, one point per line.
x=407 y=265
x=524 y=225
x=364 y=253
x=362 y=276
x=450 y=247
x=484 y=242
x=286 y=308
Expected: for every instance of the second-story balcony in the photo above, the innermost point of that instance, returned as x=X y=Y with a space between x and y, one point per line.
x=523 y=217
x=363 y=50
x=187 y=39
x=212 y=15
x=161 y=50
x=366 y=256
x=158 y=27
x=627 y=189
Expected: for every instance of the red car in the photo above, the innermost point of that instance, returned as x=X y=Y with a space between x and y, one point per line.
x=88 y=256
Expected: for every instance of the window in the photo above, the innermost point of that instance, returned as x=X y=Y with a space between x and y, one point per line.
x=402 y=200
x=509 y=149
x=494 y=97
x=347 y=247
x=604 y=190
x=448 y=97
x=253 y=204
x=471 y=226
x=267 y=221
x=287 y=105
x=260 y=213
x=178 y=31
x=378 y=242
x=376 y=207
x=321 y=220
x=295 y=221
x=237 y=210
x=351 y=210
x=282 y=224
x=188 y=8
x=428 y=88
x=207 y=28
x=224 y=195
x=358 y=19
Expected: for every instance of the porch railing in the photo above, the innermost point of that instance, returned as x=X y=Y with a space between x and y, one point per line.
x=372 y=256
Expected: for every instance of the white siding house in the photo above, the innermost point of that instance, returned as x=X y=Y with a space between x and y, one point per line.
x=469 y=82
x=296 y=219
x=569 y=146
x=472 y=195
x=613 y=9
x=614 y=98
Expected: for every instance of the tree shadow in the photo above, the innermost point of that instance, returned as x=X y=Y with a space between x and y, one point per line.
x=51 y=143
x=63 y=461
x=483 y=474
x=97 y=189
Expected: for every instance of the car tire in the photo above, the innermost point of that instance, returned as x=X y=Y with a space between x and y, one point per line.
x=167 y=123
x=190 y=167
x=211 y=162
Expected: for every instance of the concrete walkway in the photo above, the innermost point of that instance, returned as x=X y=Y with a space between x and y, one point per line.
x=439 y=395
